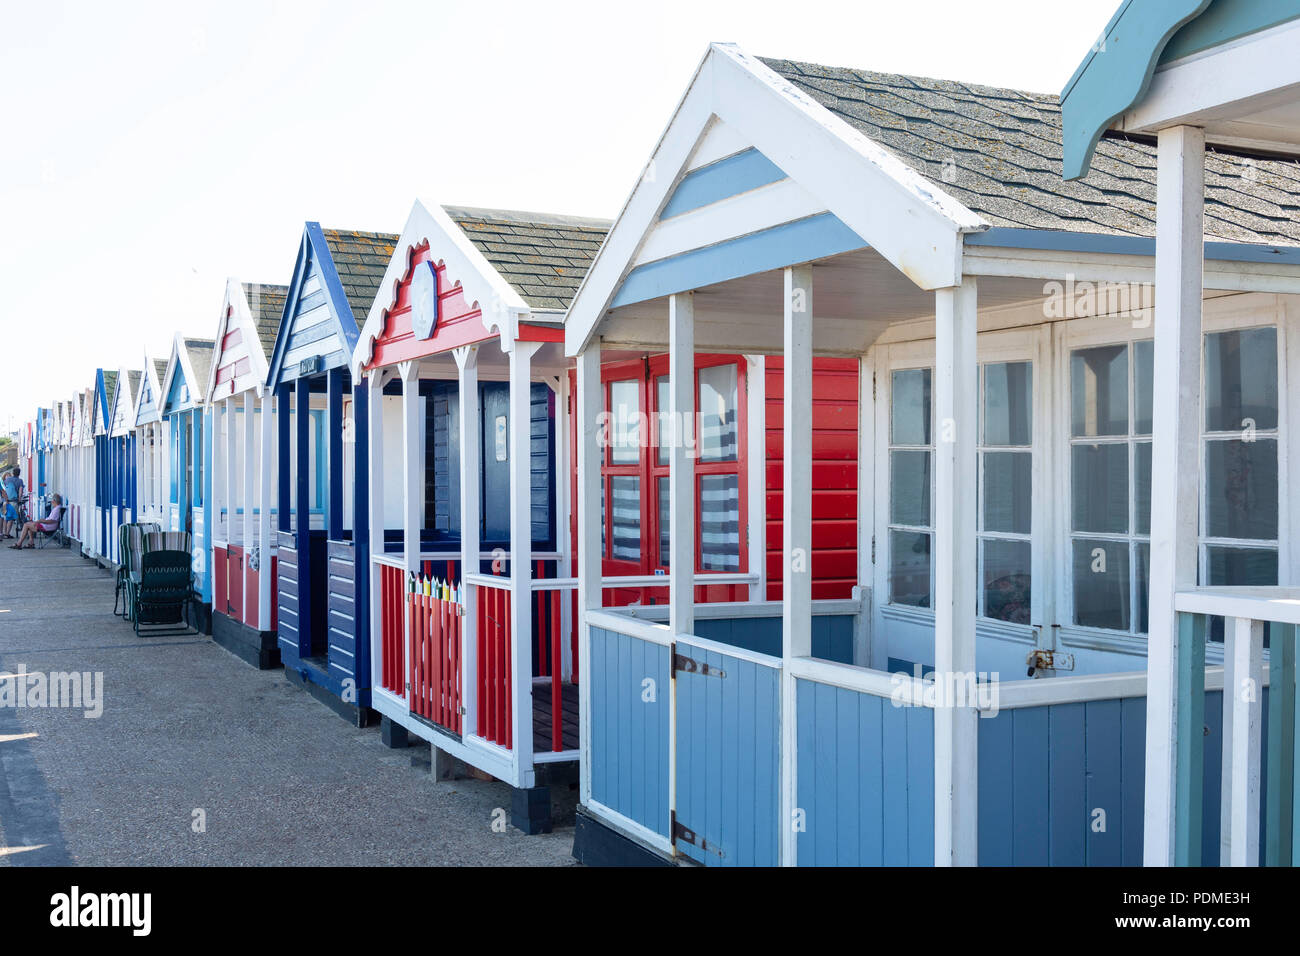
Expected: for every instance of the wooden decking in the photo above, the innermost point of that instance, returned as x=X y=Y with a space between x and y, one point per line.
x=542 y=717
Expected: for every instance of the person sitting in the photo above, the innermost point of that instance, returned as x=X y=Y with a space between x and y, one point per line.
x=49 y=524
x=11 y=486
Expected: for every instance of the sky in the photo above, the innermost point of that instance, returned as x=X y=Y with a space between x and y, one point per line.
x=150 y=151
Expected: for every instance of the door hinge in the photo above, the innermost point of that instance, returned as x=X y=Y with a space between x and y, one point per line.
x=684 y=834
x=690 y=665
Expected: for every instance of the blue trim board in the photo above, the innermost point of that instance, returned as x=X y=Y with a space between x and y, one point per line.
x=1004 y=237
x=804 y=240
x=723 y=179
x=313 y=250
x=1224 y=21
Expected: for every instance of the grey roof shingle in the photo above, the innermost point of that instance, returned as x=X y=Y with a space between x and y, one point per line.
x=266 y=303
x=200 y=353
x=543 y=256
x=360 y=259
x=998 y=151
x=160 y=369
x=110 y=383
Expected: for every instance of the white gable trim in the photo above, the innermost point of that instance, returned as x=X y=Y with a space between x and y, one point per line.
x=237 y=314
x=148 y=379
x=499 y=302
x=903 y=216
x=180 y=358
x=122 y=392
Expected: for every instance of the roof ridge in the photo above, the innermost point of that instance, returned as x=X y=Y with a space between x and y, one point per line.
x=519 y=215
x=923 y=81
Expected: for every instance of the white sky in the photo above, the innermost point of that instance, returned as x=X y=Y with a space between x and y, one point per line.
x=148 y=151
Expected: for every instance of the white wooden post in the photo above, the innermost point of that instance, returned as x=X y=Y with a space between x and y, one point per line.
x=412 y=481
x=1175 y=464
x=247 y=497
x=866 y=509
x=681 y=464
x=756 y=475
x=956 y=394
x=563 y=516
x=266 y=584
x=231 y=413
x=796 y=531
x=521 y=564
x=470 y=525
x=1243 y=682
x=375 y=450
x=589 y=406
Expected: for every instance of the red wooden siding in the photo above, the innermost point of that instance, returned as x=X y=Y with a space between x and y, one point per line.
x=459 y=321
x=835 y=477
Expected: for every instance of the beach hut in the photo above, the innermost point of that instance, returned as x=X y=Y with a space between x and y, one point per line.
x=1001 y=322
x=1216 y=83
x=321 y=490
x=104 y=538
x=121 y=491
x=81 y=492
x=151 y=443
x=244 y=469
x=189 y=477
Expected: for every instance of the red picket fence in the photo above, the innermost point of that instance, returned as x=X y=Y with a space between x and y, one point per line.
x=435 y=658
x=392 y=603
x=493 y=654
x=549 y=634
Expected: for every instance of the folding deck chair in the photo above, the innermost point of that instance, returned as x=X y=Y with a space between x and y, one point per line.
x=165 y=593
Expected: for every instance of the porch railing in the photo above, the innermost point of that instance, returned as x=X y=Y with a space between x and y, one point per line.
x=1259 y=813
x=435 y=611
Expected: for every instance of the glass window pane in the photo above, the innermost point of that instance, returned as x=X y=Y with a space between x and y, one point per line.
x=624 y=410
x=1142 y=486
x=910 y=407
x=665 y=426
x=1099 y=475
x=717 y=413
x=1008 y=403
x=1101 y=582
x=625 y=495
x=1143 y=385
x=1241 y=380
x=1099 y=391
x=665 y=539
x=1007 y=580
x=909 y=568
x=1241 y=566
x=1007 y=482
x=1143 y=586
x=1241 y=488
x=909 y=477
x=719 y=523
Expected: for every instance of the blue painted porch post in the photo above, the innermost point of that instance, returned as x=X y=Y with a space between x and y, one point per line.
x=302 y=508
x=361 y=535
x=1190 y=739
x=1279 y=827
x=284 y=490
x=333 y=463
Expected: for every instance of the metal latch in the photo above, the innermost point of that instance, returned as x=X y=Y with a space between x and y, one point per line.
x=691 y=666
x=683 y=834
x=1039 y=660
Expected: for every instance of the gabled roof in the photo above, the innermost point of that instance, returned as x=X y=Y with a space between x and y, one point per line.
x=494 y=268
x=543 y=256
x=150 y=392
x=833 y=188
x=999 y=152
x=123 y=402
x=189 y=364
x=335 y=277
x=246 y=332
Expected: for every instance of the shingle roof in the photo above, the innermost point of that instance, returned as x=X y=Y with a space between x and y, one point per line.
x=266 y=303
x=160 y=369
x=200 y=352
x=133 y=379
x=110 y=382
x=998 y=151
x=543 y=256
x=360 y=258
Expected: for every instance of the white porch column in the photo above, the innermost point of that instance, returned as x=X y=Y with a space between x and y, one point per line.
x=956 y=395
x=247 y=498
x=266 y=584
x=230 y=491
x=470 y=524
x=796 y=530
x=375 y=485
x=589 y=406
x=412 y=465
x=1243 y=683
x=681 y=462
x=521 y=564
x=1175 y=461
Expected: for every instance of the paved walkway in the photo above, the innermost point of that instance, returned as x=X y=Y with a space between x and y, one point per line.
x=188 y=727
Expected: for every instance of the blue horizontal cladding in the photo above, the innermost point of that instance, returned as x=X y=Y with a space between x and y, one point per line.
x=832 y=635
x=1007 y=237
x=865 y=779
x=629 y=727
x=1063 y=784
x=728 y=759
x=721 y=180
x=803 y=240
